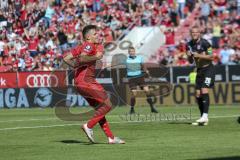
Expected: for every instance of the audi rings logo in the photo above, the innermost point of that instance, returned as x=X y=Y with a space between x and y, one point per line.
x=42 y=80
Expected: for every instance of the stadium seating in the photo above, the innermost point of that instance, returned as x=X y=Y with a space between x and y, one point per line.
x=31 y=37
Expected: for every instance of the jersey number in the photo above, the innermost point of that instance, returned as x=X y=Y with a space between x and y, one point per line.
x=207 y=81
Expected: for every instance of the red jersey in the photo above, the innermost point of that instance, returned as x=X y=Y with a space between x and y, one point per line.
x=19 y=30
x=28 y=62
x=71 y=27
x=169 y=38
x=220 y=3
x=23 y=16
x=84 y=79
x=7 y=61
x=85 y=72
x=15 y=64
x=33 y=44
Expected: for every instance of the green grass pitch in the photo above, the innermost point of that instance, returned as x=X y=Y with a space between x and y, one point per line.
x=36 y=134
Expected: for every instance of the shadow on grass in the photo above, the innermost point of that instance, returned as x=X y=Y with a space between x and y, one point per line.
x=220 y=158
x=79 y=142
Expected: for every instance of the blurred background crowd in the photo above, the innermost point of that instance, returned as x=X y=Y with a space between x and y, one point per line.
x=220 y=24
x=34 y=34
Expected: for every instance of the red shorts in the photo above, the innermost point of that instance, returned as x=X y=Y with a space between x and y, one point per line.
x=92 y=91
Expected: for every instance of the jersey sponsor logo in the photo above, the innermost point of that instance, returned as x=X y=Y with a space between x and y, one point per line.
x=199 y=47
x=87 y=48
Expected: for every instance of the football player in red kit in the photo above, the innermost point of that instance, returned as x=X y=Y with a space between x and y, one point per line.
x=83 y=58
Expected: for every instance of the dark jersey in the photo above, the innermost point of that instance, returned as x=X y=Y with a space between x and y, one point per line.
x=201 y=47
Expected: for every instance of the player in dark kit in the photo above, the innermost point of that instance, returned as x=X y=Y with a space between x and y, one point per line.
x=83 y=58
x=136 y=73
x=199 y=51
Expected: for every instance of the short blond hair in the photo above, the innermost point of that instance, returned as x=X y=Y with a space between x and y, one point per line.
x=195 y=27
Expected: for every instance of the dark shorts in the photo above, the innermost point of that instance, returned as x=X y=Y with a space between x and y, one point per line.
x=33 y=53
x=205 y=77
x=136 y=81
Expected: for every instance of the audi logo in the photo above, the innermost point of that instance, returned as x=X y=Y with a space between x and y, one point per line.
x=42 y=80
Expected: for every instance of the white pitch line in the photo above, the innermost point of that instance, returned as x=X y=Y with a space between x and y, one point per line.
x=42 y=119
x=45 y=119
x=34 y=127
x=51 y=126
x=74 y=124
x=230 y=116
x=32 y=119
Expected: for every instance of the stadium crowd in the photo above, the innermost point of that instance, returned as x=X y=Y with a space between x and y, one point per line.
x=34 y=34
x=220 y=23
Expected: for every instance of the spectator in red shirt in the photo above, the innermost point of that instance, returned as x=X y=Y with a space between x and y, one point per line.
x=29 y=65
x=18 y=28
x=32 y=43
x=23 y=17
x=7 y=63
x=169 y=34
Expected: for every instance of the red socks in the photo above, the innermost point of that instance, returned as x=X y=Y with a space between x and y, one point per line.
x=105 y=127
x=99 y=117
